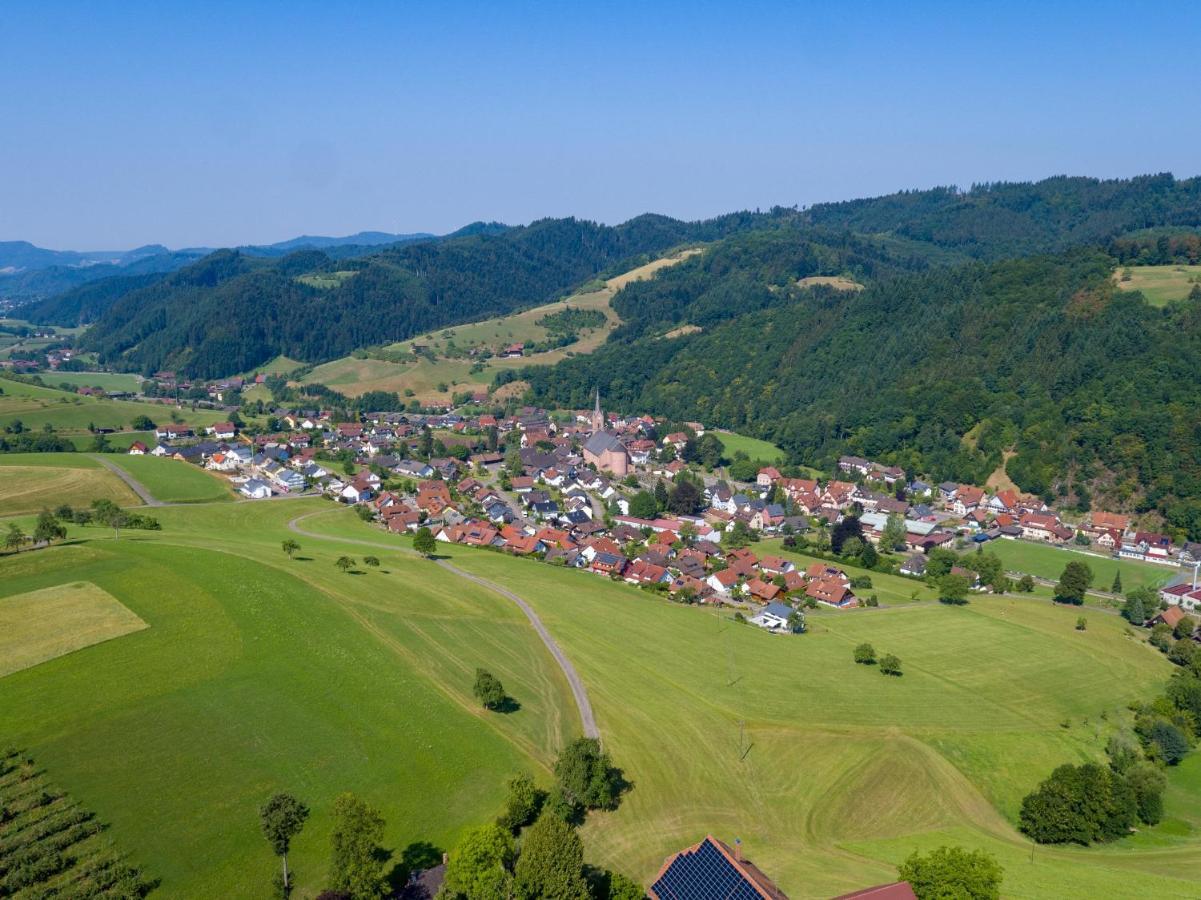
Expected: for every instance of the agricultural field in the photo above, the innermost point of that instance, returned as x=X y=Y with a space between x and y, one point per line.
x=51 y=622
x=315 y=681
x=1045 y=561
x=438 y=379
x=33 y=481
x=70 y=414
x=173 y=481
x=107 y=381
x=1161 y=285
x=754 y=448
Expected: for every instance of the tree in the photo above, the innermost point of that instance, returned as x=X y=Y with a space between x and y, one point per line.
x=643 y=505
x=356 y=866
x=523 y=804
x=865 y=655
x=1081 y=623
x=586 y=776
x=290 y=547
x=953 y=589
x=685 y=498
x=893 y=537
x=15 y=538
x=952 y=873
x=661 y=495
x=890 y=665
x=1026 y=584
x=1148 y=782
x=796 y=621
x=345 y=563
x=372 y=561
x=1079 y=804
x=488 y=689
x=1133 y=611
x=479 y=868
x=108 y=513
x=846 y=528
x=1074 y=583
x=1171 y=742
x=622 y=887
x=551 y=864
x=142 y=423
x=48 y=529
x=282 y=817
x=1184 y=628
x=1116 y=587
x=424 y=541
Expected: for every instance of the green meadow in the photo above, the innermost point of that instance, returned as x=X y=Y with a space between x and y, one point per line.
x=1045 y=561
x=172 y=480
x=754 y=448
x=1160 y=285
x=258 y=673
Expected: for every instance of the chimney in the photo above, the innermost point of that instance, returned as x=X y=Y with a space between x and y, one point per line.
x=738 y=849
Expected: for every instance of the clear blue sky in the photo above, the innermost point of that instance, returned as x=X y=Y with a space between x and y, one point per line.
x=125 y=123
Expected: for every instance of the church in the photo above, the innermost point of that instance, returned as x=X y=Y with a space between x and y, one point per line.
x=603 y=449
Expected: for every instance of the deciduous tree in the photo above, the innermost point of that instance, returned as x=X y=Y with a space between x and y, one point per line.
x=281 y=818
x=356 y=866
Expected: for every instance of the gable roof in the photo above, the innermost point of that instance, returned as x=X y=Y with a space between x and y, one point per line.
x=711 y=869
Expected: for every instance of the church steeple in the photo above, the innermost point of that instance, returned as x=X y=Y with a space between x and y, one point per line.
x=598 y=417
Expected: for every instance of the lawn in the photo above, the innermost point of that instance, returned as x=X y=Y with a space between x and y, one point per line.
x=261 y=673
x=172 y=480
x=1045 y=561
x=33 y=481
x=752 y=447
x=1161 y=285
x=51 y=622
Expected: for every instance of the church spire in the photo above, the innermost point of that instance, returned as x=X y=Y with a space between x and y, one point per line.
x=598 y=417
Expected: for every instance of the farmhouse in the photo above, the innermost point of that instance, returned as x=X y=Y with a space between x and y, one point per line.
x=711 y=869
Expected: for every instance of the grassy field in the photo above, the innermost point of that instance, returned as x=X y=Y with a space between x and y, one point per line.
x=437 y=380
x=70 y=414
x=325 y=280
x=752 y=447
x=108 y=381
x=51 y=622
x=173 y=481
x=1045 y=561
x=258 y=673
x=1161 y=285
x=838 y=282
x=32 y=481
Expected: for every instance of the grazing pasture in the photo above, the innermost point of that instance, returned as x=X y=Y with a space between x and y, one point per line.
x=107 y=381
x=173 y=481
x=50 y=622
x=1045 y=561
x=1160 y=285
x=754 y=448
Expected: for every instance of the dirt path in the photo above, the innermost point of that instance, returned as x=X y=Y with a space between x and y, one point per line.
x=578 y=691
x=136 y=486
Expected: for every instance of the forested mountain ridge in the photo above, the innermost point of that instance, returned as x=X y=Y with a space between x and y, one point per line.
x=230 y=312
x=940 y=371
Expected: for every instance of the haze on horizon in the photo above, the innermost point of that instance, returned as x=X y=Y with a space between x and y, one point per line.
x=225 y=124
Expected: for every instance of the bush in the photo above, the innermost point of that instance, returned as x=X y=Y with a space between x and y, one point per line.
x=890 y=665
x=865 y=655
x=952 y=872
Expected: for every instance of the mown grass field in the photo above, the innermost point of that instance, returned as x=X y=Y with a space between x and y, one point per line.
x=258 y=673
x=108 y=381
x=438 y=380
x=173 y=481
x=754 y=448
x=51 y=622
x=1161 y=285
x=33 y=481
x=829 y=772
x=1045 y=561
x=71 y=414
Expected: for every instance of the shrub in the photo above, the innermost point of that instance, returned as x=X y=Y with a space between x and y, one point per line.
x=952 y=872
x=890 y=665
x=865 y=655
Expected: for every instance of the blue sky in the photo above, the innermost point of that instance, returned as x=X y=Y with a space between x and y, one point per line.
x=225 y=123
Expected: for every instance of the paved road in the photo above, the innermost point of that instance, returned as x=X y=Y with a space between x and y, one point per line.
x=136 y=486
x=583 y=704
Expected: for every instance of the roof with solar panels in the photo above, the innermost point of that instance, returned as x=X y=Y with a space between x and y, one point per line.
x=712 y=869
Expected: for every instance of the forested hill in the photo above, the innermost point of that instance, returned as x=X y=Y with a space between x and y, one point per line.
x=229 y=312
x=992 y=221
x=941 y=371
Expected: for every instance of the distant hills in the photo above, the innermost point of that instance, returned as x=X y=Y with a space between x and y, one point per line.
x=30 y=272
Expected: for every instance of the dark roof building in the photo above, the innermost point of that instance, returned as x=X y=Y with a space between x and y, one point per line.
x=708 y=870
x=897 y=890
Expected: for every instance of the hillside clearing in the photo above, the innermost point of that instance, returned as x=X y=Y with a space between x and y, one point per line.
x=51 y=622
x=754 y=448
x=838 y=282
x=1160 y=285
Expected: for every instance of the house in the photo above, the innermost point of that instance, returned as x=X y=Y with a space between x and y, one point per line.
x=767 y=476
x=773 y=617
x=1038 y=526
x=763 y=591
x=137 y=448
x=222 y=431
x=1104 y=521
x=711 y=869
x=832 y=592
x=1170 y=617
x=1184 y=595
x=513 y=351
x=723 y=582
x=854 y=465
x=896 y=890
x=914 y=565
x=967 y=499
x=255 y=489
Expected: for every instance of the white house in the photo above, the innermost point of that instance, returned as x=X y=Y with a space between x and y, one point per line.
x=255 y=489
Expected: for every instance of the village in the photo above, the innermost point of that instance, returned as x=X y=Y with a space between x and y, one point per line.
x=612 y=496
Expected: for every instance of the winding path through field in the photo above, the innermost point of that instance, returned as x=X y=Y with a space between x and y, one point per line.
x=134 y=485
x=578 y=691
